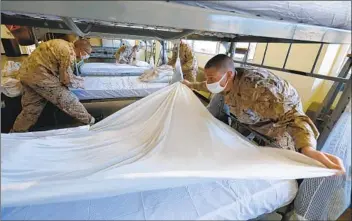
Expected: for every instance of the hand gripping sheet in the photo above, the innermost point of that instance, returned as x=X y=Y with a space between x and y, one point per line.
x=165 y=140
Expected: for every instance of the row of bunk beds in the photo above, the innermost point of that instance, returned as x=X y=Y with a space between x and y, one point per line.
x=220 y=199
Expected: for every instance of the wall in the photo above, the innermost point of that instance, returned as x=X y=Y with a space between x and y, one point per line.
x=4 y=59
x=301 y=58
x=203 y=59
x=324 y=87
x=95 y=42
x=6 y=34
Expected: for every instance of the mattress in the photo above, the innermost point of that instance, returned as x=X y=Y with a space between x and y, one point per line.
x=334 y=14
x=110 y=69
x=98 y=87
x=313 y=202
x=221 y=199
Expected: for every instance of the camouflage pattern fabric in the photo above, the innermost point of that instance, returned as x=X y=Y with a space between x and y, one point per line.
x=126 y=54
x=188 y=61
x=46 y=75
x=270 y=106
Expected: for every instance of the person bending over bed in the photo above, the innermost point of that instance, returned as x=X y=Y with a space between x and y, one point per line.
x=266 y=103
x=46 y=76
x=187 y=58
x=126 y=54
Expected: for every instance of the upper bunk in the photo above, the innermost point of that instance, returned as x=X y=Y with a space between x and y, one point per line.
x=197 y=20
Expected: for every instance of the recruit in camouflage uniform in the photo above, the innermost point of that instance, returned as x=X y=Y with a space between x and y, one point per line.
x=126 y=54
x=188 y=61
x=46 y=75
x=270 y=106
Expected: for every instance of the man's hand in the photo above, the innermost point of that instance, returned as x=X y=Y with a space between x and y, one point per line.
x=77 y=82
x=330 y=161
x=187 y=83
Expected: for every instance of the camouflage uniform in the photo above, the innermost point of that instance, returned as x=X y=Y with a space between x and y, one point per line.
x=46 y=75
x=269 y=106
x=188 y=61
x=126 y=54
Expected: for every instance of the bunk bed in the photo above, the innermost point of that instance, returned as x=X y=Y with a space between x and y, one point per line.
x=110 y=69
x=104 y=88
x=222 y=199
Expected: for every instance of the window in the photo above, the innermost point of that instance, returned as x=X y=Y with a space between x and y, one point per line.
x=224 y=47
x=130 y=42
x=207 y=47
x=30 y=49
x=27 y=50
x=116 y=43
x=190 y=43
x=169 y=46
x=242 y=48
x=111 y=43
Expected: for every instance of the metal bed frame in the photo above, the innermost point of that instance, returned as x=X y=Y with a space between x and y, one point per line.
x=210 y=25
x=325 y=120
x=128 y=20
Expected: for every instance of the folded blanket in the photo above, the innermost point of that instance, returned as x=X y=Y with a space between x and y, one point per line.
x=141 y=64
x=10 y=82
x=161 y=74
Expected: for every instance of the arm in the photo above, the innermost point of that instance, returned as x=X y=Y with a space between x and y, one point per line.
x=298 y=125
x=65 y=69
x=117 y=54
x=132 y=56
x=198 y=86
x=66 y=58
x=302 y=130
x=172 y=61
x=304 y=133
x=188 y=65
x=284 y=108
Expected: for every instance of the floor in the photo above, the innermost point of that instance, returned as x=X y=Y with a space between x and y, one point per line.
x=347 y=215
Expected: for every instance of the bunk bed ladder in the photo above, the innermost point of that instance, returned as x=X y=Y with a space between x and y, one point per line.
x=341 y=83
x=334 y=90
x=328 y=121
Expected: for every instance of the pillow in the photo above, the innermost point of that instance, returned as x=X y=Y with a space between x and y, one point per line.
x=140 y=63
x=162 y=74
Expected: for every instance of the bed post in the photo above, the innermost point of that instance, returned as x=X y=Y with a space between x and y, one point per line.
x=163 y=53
x=329 y=121
x=329 y=99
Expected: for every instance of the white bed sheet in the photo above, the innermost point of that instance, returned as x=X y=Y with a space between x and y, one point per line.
x=115 y=87
x=111 y=69
x=222 y=199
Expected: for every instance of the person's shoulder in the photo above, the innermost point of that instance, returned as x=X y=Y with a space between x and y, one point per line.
x=60 y=45
x=259 y=74
x=59 y=42
x=260 y=77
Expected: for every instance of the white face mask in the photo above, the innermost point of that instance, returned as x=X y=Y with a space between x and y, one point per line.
x=216 y=88
x=85 y=57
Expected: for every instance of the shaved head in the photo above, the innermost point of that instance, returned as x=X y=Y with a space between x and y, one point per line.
x=220 y=62
x=83 y=44
x=217 y=67
x=82 y=48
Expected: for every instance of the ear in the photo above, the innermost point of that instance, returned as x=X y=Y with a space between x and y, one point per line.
x=229 y=74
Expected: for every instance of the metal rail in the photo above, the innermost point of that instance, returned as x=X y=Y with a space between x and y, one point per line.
x=302 y=73
x=333 y=92
x=287 y=55
x=316 y=58
x=207 y=20
x=266 y=49
x=330 y=121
